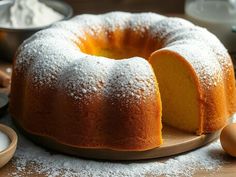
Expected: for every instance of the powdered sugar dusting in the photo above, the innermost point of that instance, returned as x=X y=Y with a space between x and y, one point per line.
x=127 y=78
x=55 y=60
x=161 y=29
x=132 y=78
x=203 y=62
x=55 y=50
x=45 y=45
x=209 y=158
x=46 y=69
x=208 y=39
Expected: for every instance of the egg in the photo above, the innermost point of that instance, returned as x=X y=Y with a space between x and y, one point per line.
x=228 y=139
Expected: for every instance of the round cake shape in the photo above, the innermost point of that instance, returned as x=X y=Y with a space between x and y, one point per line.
x=66 y=87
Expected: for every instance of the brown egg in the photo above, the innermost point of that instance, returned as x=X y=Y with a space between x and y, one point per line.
x=228 y=139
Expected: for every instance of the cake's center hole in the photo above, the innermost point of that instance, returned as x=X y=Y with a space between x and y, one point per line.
x=117 y=53
x=119 y=44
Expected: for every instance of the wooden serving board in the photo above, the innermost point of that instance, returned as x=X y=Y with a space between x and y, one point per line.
x=175 y=142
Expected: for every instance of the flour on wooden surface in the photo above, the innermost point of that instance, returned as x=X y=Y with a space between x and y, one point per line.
x=209 y=158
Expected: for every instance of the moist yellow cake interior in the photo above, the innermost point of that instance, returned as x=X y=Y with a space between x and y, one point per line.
x=178 y=92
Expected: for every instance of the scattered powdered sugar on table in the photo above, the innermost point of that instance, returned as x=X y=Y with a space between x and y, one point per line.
x=208 y=158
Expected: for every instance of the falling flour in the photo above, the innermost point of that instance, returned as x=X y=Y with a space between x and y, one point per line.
x=209 y=158
x=4 y=141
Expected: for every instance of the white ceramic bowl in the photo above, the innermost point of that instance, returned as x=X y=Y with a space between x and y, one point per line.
x=7 y=154
x=11 y=38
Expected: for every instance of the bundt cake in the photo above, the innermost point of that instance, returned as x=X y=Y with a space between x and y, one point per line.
x=91 y=82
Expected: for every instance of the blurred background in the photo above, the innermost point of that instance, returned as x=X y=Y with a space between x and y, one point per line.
x=100 y=6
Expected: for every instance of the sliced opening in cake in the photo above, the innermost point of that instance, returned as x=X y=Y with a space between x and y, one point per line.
x=179 y=93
